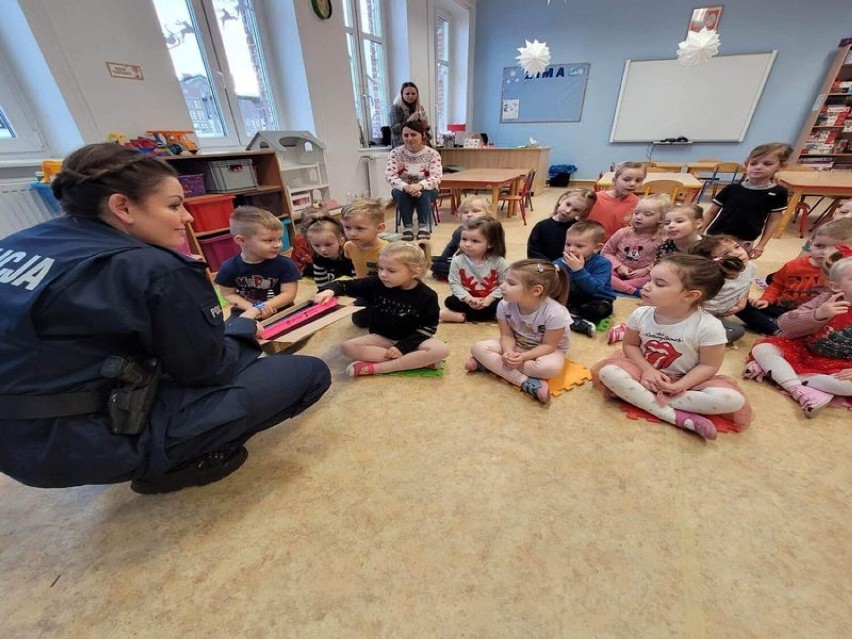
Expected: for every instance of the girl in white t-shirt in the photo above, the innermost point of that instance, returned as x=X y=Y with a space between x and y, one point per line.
x=533 y=324
x=673 y=350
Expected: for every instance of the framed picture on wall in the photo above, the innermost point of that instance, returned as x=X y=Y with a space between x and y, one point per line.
x=705 y=17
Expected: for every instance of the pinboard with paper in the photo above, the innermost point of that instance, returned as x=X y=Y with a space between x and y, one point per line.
x=555 y=95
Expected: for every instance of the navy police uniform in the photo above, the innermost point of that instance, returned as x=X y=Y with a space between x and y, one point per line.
x=73 y=292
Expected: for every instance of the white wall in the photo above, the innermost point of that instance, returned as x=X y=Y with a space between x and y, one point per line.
x=78 y=38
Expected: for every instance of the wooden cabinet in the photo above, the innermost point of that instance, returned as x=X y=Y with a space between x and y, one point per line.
x=826 y=139
x=268 y=193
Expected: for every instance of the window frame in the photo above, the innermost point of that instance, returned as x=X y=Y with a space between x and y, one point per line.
x=445 y=63
x=361 y=92
x=214 y=55
x=27 y=138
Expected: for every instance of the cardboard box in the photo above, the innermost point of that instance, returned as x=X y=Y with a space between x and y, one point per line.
x=289 y=340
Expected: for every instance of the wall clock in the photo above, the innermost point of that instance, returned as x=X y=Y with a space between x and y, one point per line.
x=322 y=8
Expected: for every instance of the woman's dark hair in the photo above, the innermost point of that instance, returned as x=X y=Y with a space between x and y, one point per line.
x=710 y=245
x=492 y=231
x=94 y=172
x=697 y=274
x=416 y=125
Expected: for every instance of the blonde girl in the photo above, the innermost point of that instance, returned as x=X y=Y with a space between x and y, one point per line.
x=673 y=350
x=738 y=270
x=812 y=359
x=477 y=272
x=326 y=237
x=470 y=207
x=547 y=238
x=402 y=317
x=615 y=205
x=533 y=324
x=632 y=249
x=681 y=229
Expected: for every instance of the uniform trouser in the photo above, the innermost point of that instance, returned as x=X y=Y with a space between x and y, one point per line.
x=186 y=423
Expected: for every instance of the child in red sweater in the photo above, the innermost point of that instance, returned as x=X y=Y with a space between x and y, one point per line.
x=797 y=282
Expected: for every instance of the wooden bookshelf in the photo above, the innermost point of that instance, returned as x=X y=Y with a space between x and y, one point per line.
x=826 y=138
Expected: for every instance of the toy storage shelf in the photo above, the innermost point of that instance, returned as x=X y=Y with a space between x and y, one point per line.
x=268 y=193
x=826 y=138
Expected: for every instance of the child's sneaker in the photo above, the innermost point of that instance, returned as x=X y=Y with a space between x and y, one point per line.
x=583 y=326
x=357 y=369
x=616 y=333
x=696 y=423
x=472 y=365
x=537 y=388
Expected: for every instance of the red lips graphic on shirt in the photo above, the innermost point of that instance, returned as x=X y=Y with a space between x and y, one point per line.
x=659 y=354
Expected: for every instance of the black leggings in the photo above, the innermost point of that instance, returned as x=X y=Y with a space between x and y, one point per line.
x=762 y=320
x=471 y=314
x=594 y=310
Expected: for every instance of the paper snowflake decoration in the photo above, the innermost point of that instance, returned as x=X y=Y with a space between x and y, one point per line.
x=534 y=58
x=698 y=47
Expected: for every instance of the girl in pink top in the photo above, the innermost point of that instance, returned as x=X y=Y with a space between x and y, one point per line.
x=614 y=206
x=812 y=358
x=632 y=248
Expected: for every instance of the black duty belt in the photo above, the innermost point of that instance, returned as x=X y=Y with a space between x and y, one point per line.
x=54 y=405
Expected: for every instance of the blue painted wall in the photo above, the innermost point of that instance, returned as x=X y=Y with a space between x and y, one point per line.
x=605 y=33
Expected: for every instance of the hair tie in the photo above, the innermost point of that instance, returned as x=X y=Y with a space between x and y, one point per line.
x=540 y=268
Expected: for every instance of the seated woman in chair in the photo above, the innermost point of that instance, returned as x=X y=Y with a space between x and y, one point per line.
x=414 y=173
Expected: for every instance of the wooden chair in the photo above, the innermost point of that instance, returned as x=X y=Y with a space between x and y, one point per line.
x=530 y=179
x=521 y=198
x=731 y=169
x=442 y=195
x=672 y=188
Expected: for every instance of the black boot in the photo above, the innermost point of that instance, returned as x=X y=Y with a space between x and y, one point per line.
x=205 y=470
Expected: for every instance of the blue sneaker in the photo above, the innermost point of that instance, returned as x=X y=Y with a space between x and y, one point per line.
x=537 y=388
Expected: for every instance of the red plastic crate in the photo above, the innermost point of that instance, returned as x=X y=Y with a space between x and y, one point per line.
x=217 y=250
x=210 y=212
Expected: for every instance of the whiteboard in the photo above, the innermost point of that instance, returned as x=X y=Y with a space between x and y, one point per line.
x=712 y=102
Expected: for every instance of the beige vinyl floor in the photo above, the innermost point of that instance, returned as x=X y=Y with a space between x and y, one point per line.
x=458 y=507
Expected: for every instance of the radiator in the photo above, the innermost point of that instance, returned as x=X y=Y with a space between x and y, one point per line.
x=21 y=207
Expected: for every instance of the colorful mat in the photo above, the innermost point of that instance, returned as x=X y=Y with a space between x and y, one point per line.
x=572 y=375
x=421 y=372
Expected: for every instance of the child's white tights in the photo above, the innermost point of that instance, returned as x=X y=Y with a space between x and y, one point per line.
x=708 y=401
x=771 y=360
x=489 y=353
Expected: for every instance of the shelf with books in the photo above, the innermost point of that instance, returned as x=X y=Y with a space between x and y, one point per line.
x=825 y=135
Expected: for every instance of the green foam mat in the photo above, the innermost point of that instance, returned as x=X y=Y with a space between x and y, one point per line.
x=421 y=372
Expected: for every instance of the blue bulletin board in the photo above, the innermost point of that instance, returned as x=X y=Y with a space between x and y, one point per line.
x=556 y=95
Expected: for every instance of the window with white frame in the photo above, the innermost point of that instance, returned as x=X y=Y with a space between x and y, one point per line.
x=442 y=73
x=218 y=59
x=17 y=133
x=366 y=47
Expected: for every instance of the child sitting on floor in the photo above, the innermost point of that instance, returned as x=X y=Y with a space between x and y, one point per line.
x=326 y=237
x=403 y=315
x=614 y=205
x=589 y=276
x=301 y=252
x=533 y=329
x=259 y=276
x=470 y=207
x=812 y=358
x=797 y=282
x=733 y=259
x=477 y=272
x=547 y=238
x=631 y=250
x=363 y=220
x=673 y=350
x=681 y=229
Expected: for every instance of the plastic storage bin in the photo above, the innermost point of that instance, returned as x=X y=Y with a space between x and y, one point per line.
x=210 y=212
x=221 y=176
x=193 y=185
x=217 y=250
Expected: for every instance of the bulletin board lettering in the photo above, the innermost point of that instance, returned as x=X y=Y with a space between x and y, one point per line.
x=555 y=95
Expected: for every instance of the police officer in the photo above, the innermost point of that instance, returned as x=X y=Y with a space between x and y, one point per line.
x=115 y=361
